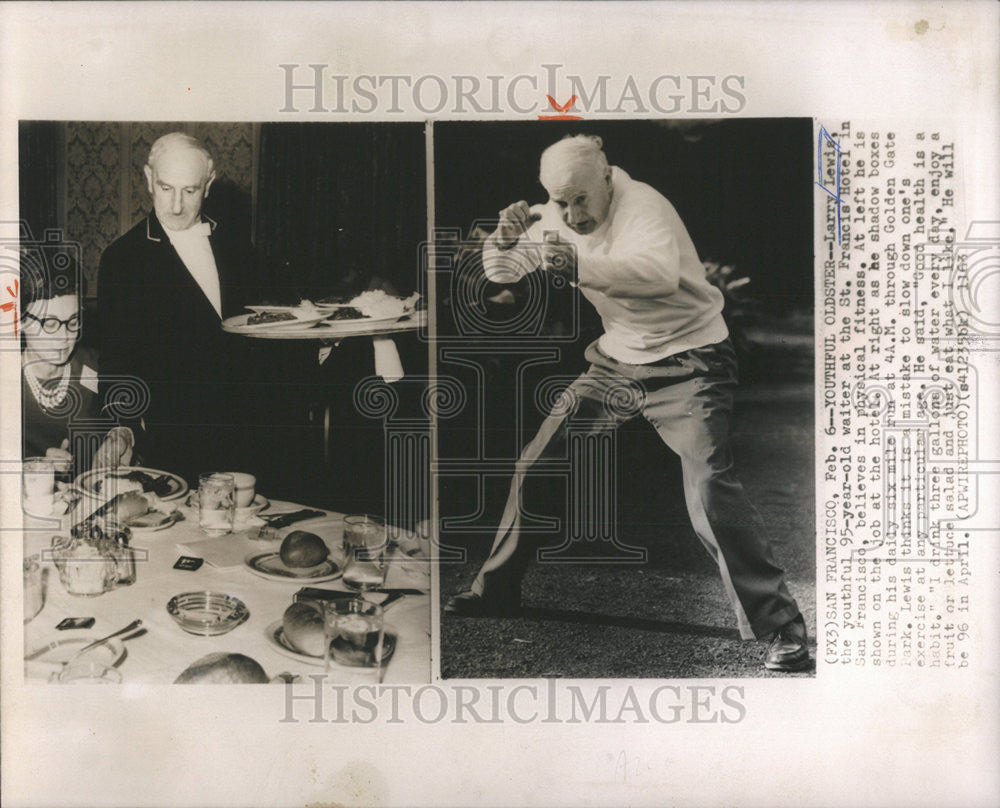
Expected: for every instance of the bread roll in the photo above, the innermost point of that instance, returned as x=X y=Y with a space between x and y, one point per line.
x=123 y=507
x=223 y=669
x=128 y=506
x=302 y=549
x=303 y=627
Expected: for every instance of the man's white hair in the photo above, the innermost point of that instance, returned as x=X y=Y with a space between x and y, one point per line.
x=179 y=140
x=572 y=151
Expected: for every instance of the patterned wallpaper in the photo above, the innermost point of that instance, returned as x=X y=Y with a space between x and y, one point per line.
x=105 y=187
x=93 y=190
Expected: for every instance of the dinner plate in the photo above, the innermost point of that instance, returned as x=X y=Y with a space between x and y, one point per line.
x=276 y=638
x=270 y=566
x=109 y=653
x=88 y=481
x=362 y=321
x=238 y=324
x=341 y=329
x=276 y=308
x=148 y=523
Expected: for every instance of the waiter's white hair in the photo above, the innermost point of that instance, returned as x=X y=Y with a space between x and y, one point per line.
x=179 y=140
x=572 y=151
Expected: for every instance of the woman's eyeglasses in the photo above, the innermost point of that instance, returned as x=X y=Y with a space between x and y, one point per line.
x=52 y=324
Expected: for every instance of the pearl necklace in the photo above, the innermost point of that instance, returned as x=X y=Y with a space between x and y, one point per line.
x=47 y=399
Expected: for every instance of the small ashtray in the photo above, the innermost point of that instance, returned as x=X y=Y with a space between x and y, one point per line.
x=207 y=613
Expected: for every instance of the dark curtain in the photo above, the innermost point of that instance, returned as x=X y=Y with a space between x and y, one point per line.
x=341 y=207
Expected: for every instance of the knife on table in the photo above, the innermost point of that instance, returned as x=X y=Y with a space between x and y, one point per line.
x=315 y=593
x=279 y=521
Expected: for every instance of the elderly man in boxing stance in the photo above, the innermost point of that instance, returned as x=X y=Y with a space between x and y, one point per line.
x=626 y=249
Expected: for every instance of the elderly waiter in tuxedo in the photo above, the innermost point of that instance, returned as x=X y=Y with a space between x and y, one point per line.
x=622 y=244
x=163 y=289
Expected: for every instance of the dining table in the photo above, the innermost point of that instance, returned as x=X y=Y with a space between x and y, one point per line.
x=161 y=650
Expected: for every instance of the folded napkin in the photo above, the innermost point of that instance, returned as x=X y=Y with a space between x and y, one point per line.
x=387 y=362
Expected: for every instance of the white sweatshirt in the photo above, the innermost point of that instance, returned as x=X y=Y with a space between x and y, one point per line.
x=639 y=269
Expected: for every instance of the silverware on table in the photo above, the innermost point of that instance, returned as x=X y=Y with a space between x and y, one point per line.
x=396 y=594
x=280 y=520
x=130 y=627
x=392 y=599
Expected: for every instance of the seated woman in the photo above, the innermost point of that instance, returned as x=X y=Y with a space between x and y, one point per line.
x=60 y=414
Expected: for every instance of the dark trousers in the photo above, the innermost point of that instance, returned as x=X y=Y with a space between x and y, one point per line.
x=688 y=399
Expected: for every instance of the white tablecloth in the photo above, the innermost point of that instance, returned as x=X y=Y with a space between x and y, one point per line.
x=160 y=655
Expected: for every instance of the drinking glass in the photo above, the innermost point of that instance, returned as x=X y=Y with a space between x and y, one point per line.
x=354 y=631
x=34 y=592
x=84 y=570
x=38 y=476
x=216 y=502
x=365 y=549
x=120 y=537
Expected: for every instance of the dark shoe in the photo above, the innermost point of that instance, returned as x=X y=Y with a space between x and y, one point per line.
x=469 y=604
x=788 y=650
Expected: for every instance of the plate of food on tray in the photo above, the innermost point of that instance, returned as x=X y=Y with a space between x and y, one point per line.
x=267 y=318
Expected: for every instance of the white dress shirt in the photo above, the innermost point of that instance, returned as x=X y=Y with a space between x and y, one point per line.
x=193 y=247
x=639 y=269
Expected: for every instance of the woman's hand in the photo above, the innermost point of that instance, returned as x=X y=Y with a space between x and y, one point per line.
x=116 y=449
x=60 y=455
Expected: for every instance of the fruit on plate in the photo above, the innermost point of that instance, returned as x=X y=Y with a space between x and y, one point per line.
x=303 y=549
x=302 y=624
x=223 y=669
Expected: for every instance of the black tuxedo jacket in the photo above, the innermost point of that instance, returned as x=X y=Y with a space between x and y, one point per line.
x=157 y=328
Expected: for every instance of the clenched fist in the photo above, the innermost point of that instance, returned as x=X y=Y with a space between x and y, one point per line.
x=514 y=221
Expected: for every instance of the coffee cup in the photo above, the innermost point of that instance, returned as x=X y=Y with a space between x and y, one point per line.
x=245 y=488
